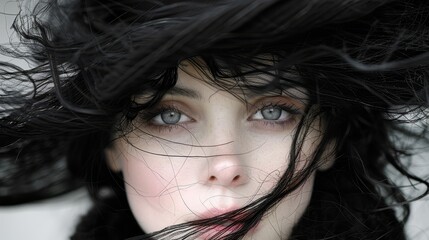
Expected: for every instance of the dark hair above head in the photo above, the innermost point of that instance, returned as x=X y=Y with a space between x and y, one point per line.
x=364 y=65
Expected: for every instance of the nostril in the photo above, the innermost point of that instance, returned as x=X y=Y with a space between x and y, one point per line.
x=236 y=178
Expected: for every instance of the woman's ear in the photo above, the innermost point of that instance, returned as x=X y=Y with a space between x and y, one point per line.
x=328 y=157
x=113 y=158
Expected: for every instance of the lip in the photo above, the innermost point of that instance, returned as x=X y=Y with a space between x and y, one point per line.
x=216 y=212
x=215 y=229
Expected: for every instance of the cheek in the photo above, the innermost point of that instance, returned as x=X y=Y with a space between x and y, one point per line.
x=271 y=159
x=145 y=180
x=151 y=189
x=148 y=170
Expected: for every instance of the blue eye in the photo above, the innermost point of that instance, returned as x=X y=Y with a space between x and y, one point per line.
x=271 y=113
x=170 y=117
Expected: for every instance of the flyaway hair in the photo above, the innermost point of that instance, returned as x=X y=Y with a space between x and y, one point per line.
x=363 y=63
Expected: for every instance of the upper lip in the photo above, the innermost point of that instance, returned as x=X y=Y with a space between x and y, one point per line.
x=216 y=212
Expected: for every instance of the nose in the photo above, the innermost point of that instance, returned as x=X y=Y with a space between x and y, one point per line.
x=226 y=159
x=226 y=170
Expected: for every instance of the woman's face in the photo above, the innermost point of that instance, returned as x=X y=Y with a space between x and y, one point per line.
x=202 y=152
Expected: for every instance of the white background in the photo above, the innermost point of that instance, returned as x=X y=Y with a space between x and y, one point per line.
x=55 y=219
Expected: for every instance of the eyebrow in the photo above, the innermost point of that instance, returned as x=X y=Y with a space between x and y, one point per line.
x=185 y=92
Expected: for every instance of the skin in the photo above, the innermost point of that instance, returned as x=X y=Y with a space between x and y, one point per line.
x=221 y=155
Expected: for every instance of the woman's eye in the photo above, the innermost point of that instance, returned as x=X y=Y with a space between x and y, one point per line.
x=271 y=113
x=170 y=117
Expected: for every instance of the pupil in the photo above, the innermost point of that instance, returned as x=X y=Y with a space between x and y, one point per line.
x=271 y=113
x=170 y=117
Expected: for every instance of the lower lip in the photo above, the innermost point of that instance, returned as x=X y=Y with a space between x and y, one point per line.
x=215 y=229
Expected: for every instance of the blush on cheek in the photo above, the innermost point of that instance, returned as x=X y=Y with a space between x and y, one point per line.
x=146 y=184
x=145 y=190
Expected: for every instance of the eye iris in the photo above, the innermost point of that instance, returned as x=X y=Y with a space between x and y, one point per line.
x=170 y=117
x=271 y=113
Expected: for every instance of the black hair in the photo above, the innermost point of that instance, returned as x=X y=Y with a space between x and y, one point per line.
x=363 y=63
